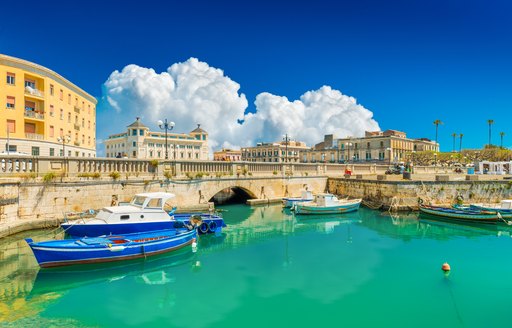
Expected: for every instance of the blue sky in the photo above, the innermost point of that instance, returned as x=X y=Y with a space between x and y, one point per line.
x=408 y=62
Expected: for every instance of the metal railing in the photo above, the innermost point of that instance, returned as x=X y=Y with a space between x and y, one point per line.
x=34 y=92
x=34 y=136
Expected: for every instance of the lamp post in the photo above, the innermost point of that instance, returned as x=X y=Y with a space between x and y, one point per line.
x=286 y=139
x=412 y=163
x=167 y=126
x=348 y=144
x=64 y=140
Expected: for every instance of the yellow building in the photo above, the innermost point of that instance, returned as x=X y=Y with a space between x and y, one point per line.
x=42 y=113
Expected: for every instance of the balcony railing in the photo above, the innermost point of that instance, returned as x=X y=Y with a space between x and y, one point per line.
x=34 y=114
x=77 y=109
x=77 y=127
x=76 y=143
x=34 y=92
x=34 y=136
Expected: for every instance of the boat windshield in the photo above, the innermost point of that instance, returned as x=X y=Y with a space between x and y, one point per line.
x=138 y=200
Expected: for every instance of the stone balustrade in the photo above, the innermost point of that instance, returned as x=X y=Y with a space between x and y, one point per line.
x=12 y=166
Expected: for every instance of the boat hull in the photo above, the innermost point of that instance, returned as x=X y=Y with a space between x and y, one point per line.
x=304 y=208
x=459 y=215
x=107 y=249
x=79 y=229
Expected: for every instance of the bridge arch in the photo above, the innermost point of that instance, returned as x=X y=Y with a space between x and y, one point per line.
x=232 y=194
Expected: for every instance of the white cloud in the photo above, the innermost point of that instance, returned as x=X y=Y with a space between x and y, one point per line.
x=193 y=92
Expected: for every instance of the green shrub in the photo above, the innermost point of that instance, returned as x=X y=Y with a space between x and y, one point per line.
x=154 y=162
x=199 y=175
x=48 y=177
x=168 y=174
x=274 y=172
x=115 y=175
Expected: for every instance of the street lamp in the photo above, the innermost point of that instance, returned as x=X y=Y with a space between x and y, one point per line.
x=348 y=144
x=64 y=140
x=286 y=139
x=167 y=126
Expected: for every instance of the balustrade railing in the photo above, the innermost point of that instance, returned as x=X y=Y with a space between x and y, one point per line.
x=103 y=167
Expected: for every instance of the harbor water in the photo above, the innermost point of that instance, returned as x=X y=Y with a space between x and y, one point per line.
x=270 y=268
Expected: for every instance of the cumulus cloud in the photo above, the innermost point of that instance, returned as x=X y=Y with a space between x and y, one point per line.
x=193 y=92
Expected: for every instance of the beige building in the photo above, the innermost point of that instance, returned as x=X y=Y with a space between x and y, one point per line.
x=227 y=155
x=42 y=113
x=375 y=146
x=278 y=152
x=141 y=143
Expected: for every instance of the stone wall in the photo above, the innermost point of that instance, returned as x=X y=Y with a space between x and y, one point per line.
x=405 y=194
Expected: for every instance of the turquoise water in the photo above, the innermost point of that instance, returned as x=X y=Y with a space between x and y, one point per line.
x=269 y=268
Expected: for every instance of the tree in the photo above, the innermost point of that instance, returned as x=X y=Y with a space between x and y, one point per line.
x=436 y=123
x=490 y=122
x=502 y=134
x=460 y=144
x=454 y=135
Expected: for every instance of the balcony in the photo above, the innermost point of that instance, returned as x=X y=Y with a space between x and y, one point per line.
x=34 y=114
x=34 y=92
x=34 y=136
x=77 y=109
x=76 y=143
x=77 y=127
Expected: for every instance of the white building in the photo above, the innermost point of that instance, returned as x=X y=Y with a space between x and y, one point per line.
x=141 y=143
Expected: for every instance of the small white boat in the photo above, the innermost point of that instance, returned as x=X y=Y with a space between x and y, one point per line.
x=327 y=204
x=306 y=196
x=145 y=212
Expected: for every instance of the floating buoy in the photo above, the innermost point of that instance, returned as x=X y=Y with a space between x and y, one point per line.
x=445 y=267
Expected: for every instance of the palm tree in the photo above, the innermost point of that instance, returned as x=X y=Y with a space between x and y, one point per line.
x=460 y=144
x=502 y=134
x=436 y=123
x=454 y=135
x=490 y=122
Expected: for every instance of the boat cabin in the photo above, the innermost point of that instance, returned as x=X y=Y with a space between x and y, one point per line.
x=153 y=200
x=306 y=194
x=326 y=200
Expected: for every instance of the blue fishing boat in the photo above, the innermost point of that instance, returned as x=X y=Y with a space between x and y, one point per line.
x=327 y=204
x=459 y=214
x=306 y=196
x=87 y=250
x=145 y=212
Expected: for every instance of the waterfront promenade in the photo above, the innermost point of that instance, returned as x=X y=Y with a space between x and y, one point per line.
x=38 y=191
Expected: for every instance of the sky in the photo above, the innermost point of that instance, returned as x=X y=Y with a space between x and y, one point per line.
x=254 y=71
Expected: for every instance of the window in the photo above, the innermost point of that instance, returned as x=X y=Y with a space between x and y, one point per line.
x=134 y=153
x=69 y=99
x=69 y=117
x=30 y=105
x=10 y=102
x=89 y=109
x=76 y=119
x=83 y=122
x=52 y=131
x=30 y=83
x=134 y=144
x=89 y=140
x=134 y=132
x=89 y=124
x=125 y=217
x=61 y=114
x=51 y=89
x=61 y=94
x=12 y=148
x=11 y=126
x=35 y=151
x=11 y=78
x=83 y=139
x=141 y=132
x=52 y=151
x=52 y=111
x=61 y=133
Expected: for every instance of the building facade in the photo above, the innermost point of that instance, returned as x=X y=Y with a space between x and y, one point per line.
x=376 y=146
x=277 y=152
x=227 y=155
x=42 y=113
x=141 y=143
